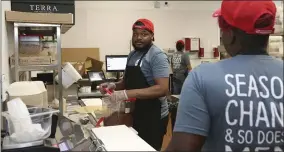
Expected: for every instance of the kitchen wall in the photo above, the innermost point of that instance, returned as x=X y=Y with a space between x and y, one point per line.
x=107 y=25
x=1 y=44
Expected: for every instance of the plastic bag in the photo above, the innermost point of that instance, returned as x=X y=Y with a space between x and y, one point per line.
x=21 y=125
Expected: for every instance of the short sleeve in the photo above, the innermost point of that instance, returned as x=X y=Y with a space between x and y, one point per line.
x=192 y=113
x=160 y=66
x=186 y=60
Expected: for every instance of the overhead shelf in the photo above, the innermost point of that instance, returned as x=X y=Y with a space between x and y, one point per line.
x=66 y=20
x=37 y=67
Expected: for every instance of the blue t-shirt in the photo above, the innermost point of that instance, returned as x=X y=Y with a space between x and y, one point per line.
x=155 y=64
x=236 y=103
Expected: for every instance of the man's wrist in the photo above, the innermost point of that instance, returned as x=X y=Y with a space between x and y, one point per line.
x=131 y=93
x=125 y=95
x=119 y=86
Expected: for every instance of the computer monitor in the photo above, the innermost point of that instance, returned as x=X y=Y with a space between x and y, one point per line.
x=96 y=76
x=116 y=63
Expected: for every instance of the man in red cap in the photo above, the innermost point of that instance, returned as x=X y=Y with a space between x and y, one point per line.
x=235 y=104
x=146 y=78
x=180 y=66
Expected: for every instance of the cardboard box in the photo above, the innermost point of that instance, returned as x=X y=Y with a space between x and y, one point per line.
x=83 y=59
x=80 y=67
x=93 y=65
x=79 y=54
x=90 y=64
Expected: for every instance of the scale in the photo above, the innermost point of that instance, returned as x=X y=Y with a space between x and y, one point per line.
x=75 y=137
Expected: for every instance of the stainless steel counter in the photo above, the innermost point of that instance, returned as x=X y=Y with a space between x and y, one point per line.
x=94 y=94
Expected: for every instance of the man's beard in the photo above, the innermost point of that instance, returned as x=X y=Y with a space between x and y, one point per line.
x=145 y=48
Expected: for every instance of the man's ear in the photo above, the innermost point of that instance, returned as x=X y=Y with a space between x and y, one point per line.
x=230 y=36
x=153 y=39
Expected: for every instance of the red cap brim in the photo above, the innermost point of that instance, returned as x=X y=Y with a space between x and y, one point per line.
x=217 y=13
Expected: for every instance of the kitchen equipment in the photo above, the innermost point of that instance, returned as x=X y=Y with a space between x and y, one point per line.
x=41 y=119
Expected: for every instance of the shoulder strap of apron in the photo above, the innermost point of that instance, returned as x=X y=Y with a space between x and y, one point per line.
x=139 y=59
x=142 y=58
x=130 y=57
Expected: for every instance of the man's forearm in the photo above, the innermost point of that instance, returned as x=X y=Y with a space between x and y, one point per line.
x=152 y=92
x=120 y=85
x=185 y=142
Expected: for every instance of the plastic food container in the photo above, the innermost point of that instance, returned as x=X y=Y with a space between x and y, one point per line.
x=113 y=112
x=40 y=128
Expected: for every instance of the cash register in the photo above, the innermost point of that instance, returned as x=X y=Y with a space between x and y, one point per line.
x=94 y=79
x=116 y=63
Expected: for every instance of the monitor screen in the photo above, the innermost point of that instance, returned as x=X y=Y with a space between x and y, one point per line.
x=63 y=146
x=116 y=63
x=96 y=76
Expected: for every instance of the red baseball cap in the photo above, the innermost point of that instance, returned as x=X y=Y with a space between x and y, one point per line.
x=146 y=24
x=243 y=14
x=180 y=41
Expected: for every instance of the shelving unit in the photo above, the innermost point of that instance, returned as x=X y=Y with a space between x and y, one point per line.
x=46 y=30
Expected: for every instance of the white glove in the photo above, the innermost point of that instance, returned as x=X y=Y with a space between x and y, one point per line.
x=118 y=96
x=110 y=86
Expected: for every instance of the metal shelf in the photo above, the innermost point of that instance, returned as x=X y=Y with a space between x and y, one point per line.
x=37 y=68
x=36 y=29
x=45 y=30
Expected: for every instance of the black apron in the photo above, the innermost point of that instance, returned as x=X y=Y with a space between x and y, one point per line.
x=147 y=113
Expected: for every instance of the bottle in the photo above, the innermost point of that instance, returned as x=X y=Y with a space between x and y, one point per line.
x=127 y=107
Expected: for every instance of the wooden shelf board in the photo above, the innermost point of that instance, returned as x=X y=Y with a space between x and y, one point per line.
x=66 y=20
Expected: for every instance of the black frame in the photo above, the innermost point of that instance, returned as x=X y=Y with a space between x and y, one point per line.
x=63 y=6
x=114 y=56
x=103 y=78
